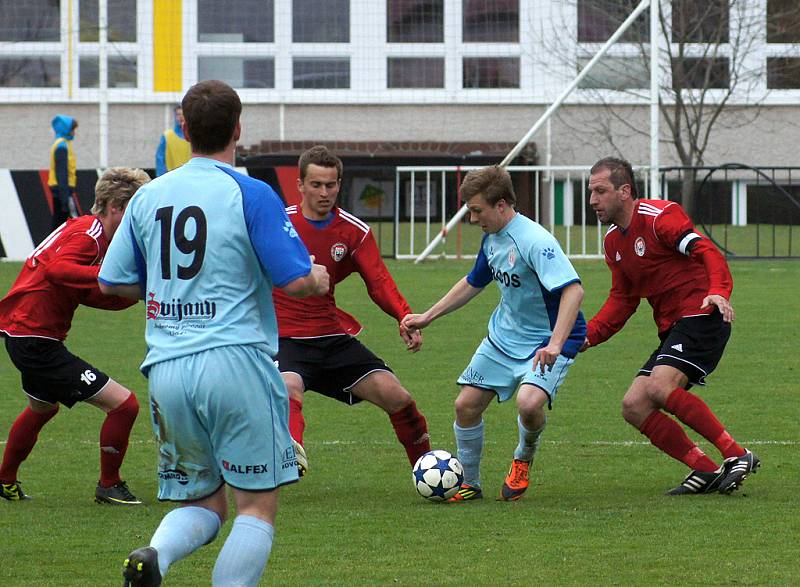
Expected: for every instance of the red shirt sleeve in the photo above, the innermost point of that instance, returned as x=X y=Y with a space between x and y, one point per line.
x=380 y=284
x=615 y=311
x=720 y=281
x=673 y=226
x=73 y=264
x=94 y=298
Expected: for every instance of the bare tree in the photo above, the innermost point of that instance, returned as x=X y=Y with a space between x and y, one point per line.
x=709 y=77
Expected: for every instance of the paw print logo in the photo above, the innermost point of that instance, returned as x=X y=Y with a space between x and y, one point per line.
x=549 y=253
x=289 y=227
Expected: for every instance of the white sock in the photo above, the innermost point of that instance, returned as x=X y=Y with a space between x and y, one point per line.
x=470 y=447
x=244 y=556
x=528 y=441
x=181 y=532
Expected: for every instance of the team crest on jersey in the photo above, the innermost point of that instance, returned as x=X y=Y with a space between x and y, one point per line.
x=638 y=247
x=512 y=256
x=338 y=251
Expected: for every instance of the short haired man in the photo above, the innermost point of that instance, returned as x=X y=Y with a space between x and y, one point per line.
x=654 y=252
x=534 y=332
x=206 y=244
x=318 y=349
x=36 y=315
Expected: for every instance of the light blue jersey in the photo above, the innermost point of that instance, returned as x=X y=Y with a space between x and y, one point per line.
x=207 y=245
x=530 y=270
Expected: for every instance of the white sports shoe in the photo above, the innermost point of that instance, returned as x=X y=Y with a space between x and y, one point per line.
x=302 y=459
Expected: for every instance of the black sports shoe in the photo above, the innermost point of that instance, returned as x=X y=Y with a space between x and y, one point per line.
x=737 y=469
x=140 y=569
x=118 y=494
x=698 y=482
x=13 y=492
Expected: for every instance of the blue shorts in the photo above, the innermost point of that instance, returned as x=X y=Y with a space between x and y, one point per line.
x=220 y=416
x=496 y=371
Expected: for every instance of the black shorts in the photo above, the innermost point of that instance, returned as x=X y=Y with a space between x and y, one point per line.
x=693 y=346
x=330 y=365
x=50 y=373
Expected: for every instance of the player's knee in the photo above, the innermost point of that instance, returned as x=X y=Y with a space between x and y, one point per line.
x=466 y=410
x=632 y=408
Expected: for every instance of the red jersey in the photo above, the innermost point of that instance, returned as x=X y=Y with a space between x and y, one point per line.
x=344 y=245
x=661 y=257
x=58 y=275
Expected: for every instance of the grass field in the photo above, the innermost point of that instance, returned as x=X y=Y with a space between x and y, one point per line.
x=595 y=514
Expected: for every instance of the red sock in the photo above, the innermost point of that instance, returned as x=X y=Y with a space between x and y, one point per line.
x=21 y=440
x=694 y=412
x=297 y=423
x=667 y=435
x=412 y=431
x=114 y=437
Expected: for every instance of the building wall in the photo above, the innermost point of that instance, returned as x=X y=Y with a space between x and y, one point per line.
x=758 y=135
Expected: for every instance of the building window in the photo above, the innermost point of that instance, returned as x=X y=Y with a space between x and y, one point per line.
x=321 y=72
x=783 y=73
x=491 y=72
x=30 y=72
x=121 y=21
x=700 y=22
x=700 y=73
x=321 y=21
x=235 y=21
x=599 y=19
x=121 y=72
x=238 y=72
x=415 y=72
x=415 y=21
x=783 y=21
x=615 y=73
x=490 y=21
x=32 y=20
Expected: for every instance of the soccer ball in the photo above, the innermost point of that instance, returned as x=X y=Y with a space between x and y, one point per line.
x=438 y=475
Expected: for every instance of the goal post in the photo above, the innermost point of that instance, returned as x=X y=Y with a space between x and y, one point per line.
x=654 y=115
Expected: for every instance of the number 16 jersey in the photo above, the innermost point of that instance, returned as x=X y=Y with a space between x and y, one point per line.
x=206 y=244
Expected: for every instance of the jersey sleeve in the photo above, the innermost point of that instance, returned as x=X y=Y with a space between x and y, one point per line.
x=381 y=287
x=553 y=268
x=675 y=228
x=481 y=274
x=72 y=264
x=615 y=311
x=278 y=246
x=94 y=298
x=124 y=262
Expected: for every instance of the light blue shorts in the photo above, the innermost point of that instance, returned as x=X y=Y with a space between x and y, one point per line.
x=492 y=369
x=220 y=416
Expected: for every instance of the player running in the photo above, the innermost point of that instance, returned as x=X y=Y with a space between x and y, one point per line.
x=654 y=252
x=318 y=349
x=35 y=316
x=534 y=333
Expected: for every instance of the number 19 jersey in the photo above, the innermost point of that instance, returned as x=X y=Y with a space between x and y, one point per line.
x=206 y=245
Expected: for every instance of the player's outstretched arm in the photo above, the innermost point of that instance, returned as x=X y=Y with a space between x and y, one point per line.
x=132 y=291
x=460 y=294
x=412 y=338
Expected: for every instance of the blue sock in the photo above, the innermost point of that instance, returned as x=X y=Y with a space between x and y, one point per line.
x=470 y=447
x=181 y=532
x=528 y=441
x=242 y=559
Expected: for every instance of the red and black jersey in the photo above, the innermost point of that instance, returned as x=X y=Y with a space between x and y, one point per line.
x=58 y=275
x=344 y=245
x=661 y=257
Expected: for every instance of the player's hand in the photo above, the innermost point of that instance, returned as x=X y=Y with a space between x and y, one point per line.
x=723 y=305
x=323 y=279
x=412 y=338
x=412 y=322
x=585 y=345
x=546 y=357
